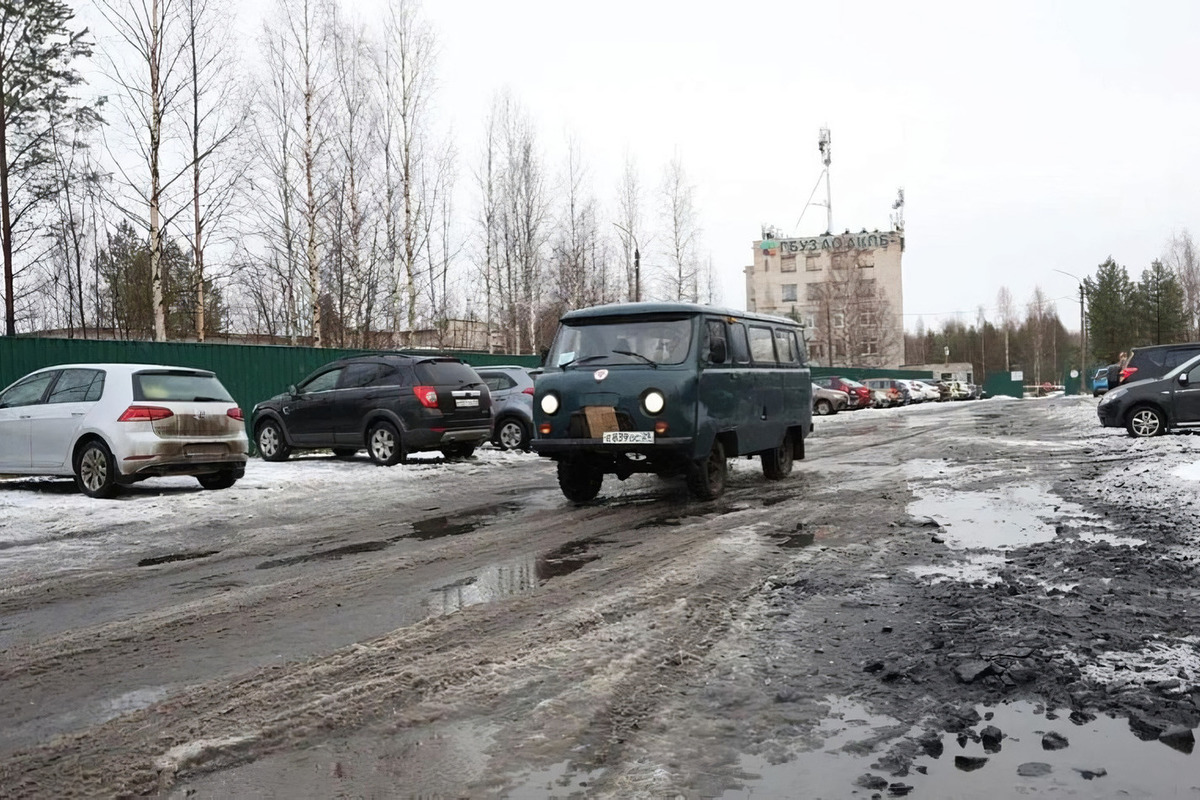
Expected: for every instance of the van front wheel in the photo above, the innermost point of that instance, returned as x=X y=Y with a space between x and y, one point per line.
x=706 y=478
x=579 y=480
x=777 y=462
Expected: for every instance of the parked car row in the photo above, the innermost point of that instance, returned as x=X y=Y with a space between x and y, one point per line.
x=109 y=425
x=889 y=392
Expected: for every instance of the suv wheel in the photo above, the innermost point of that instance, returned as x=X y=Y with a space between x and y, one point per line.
x=824 y=407
x=384 y=444
x=706 y=478
x=271 y=444
x=512 y=434
x=1145 y=421
x=96 y=470
x=777 y=462
x=458 y=450
x=579 y=479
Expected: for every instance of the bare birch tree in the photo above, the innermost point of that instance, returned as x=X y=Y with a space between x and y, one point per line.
x=406 y=71
x=680 y=277
x=216 y=112
x=1181 y=257
x=629 y=223
x=151 y=78
x=1008 y=317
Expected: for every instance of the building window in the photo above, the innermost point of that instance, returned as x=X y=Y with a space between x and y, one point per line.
x=866 y=259
x=839 y=320
x=787 y=263
x=812 y=262
x=789 y=292
x=871 y=347
x=867 y=319
x=812 y=291
x=867 y=287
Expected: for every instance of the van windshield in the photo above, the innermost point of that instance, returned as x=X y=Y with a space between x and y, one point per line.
x=624 y=341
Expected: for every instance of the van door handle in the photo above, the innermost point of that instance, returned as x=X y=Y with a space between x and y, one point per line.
x=77 y=413
x=25 y=416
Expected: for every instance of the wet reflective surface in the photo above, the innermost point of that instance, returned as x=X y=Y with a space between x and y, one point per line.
x=1015 y=750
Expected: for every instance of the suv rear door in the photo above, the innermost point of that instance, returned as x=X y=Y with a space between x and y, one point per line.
x=362 y=387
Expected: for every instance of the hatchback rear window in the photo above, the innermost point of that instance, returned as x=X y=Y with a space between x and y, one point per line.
x=443 y=373
x=179 y=386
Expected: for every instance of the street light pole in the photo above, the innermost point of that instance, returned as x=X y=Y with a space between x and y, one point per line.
x=637 y=262
x=1082 y=335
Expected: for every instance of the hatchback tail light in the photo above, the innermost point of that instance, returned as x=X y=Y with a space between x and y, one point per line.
x=1125 y=373
x=235 y=413
x=145 y=414
x=427 y=395
x=528 y=390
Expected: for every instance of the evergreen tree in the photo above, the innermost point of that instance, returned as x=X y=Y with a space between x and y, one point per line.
x=1110 y=298
x=37 y=48
x=1159 y=307
x=124 y=270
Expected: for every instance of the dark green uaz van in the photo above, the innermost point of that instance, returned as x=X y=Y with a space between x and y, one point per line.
x=671 y=388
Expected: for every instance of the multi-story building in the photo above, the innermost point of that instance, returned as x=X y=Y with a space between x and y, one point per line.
x=846 y=289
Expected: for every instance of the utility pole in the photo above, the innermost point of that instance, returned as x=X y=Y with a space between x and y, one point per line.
x=637 y=262
x=1082 y=345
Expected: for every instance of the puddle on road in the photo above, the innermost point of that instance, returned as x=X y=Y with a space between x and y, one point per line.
x=848 y=733
x=556 y=781
x=1101 y=758
x=326 y=555
x=977 y=568
x=995 y=520
x=167 y=559
x=458 y=524
x=510 y=578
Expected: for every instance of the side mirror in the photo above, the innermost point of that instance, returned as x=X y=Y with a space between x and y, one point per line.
x=1182 y=378
x=716 y=352
x=292 y=390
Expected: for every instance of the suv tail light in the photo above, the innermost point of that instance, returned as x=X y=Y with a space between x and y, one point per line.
x=145 y=414
x=527 y=390
x=235 y=413
x=427 y=395
x=1125 y=373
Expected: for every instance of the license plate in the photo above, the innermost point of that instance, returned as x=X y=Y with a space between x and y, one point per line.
x=205 y=450
x=466 y=402
x=629 y=437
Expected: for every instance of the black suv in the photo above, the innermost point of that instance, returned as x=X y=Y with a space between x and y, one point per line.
x=1155 y=361
x=1153 y=406
x=390 y=404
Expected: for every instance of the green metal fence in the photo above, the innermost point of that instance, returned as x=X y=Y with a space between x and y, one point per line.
x=251 y=373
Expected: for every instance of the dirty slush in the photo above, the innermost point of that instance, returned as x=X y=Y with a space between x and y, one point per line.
x=990 y=599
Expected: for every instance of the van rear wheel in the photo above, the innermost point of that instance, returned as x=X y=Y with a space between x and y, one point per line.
x=580 y=480
x=777 y=462
x=706 y=478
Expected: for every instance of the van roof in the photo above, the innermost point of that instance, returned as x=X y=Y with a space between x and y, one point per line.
x=639 y=309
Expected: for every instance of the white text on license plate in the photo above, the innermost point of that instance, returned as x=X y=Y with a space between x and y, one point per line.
x=466 y=402
x=629 y=437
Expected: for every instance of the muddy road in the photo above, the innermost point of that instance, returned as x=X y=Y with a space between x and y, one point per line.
x=955 y=600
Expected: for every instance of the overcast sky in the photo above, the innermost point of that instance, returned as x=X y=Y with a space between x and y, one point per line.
x=1028 y=136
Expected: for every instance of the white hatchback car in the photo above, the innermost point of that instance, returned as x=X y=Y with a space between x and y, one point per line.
x=113 y=424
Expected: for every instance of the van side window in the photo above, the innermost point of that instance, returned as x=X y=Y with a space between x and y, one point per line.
x=762 y=345
x=785 y=346
x=739 y=348
x=714 y=331
x=799 y=345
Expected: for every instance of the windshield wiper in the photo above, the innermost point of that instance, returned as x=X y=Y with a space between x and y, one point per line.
x=208 y=400
x=582 y=359
x=647 y=359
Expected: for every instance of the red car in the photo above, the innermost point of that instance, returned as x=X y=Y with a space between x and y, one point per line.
x=860 y=396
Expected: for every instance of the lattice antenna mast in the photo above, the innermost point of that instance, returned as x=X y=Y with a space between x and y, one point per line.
x=825 y=145
x=898 y=207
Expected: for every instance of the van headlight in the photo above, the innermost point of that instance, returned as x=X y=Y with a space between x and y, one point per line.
x=653 y=401
x=550 y=403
